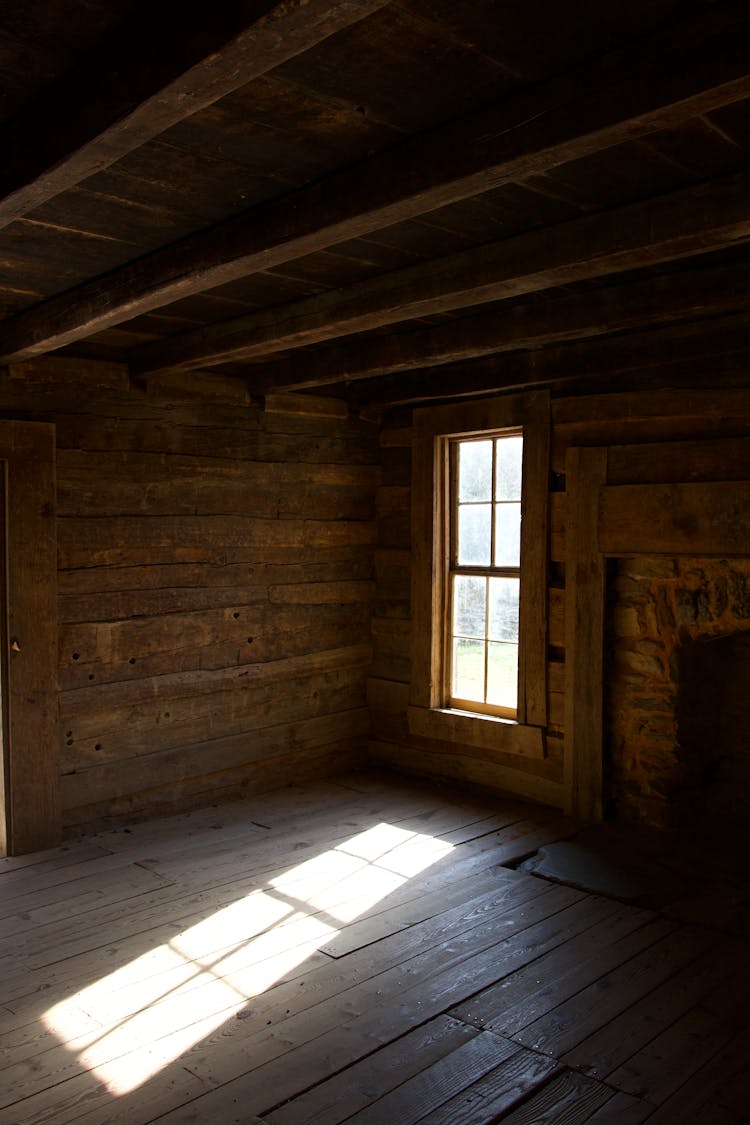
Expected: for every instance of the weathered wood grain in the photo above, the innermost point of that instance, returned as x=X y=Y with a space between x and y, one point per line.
x=584 y=633
x=30 y=815
x=88 y=121
x=617 y=308
x=672 y=519
x=540 y=129
x=157 y=940
x=669 y=227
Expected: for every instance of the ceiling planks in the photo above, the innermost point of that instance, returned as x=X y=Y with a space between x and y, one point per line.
x=150 y=75
x=376 y=196
x=676 y=225
x=651 y=302
x=619 y=96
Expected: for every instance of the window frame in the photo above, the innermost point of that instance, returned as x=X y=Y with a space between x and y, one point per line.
x=433 y=430
x=454 y=569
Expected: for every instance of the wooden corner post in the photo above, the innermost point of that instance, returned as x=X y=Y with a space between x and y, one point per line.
x=29 y=816
x=585 y=569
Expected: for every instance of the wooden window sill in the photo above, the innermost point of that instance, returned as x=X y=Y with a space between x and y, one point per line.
x=488 y=732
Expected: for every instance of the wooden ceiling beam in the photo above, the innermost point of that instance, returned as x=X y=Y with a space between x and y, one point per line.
x=713 y=348
x=155 y=71
x=693 y=295
x=621 y=96
x=692 y=221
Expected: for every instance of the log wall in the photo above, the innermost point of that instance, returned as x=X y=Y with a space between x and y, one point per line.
x=693 y=434
x=214 y=588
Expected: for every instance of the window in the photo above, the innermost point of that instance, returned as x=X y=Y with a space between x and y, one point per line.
x=479 y=583
x=484 y=572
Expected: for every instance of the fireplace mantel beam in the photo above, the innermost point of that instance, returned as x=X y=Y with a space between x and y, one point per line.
x=706 y=518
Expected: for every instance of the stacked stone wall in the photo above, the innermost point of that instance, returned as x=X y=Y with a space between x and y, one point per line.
x=657 y=607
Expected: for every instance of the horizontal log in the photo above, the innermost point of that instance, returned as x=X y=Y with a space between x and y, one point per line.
x=133 y=640
x=659 y=415
x=333 y=630
x=675 y=519
x=295 y=440
x=222 y=531
x=592 y=108
x=634 y=406
x=717 y=459
x=322 y=593
x=199 y=386
x=83 y=702
x=89 y=495
x=214 y=571
x=144 y=467
x=56 y=369
x=137 y=555
x=122 y=605
x=315 y=405
x=429 y=762
x=126 y=604
x=117 y=734
x=159 y=782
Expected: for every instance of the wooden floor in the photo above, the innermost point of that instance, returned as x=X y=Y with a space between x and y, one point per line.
x=361 y=950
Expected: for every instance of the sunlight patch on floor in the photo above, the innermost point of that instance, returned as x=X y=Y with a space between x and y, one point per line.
x=162 y=1003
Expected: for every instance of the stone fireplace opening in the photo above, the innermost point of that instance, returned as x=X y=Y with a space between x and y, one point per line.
x=678 y=713
x=713 y=734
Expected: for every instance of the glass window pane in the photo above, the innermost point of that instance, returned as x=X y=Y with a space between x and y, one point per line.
x=507 y=534
x=474 y=534
x=468 y=670
x=502 y=675
x=469 y=605
x=474 y=470
x=508 y=468
x=503 y=624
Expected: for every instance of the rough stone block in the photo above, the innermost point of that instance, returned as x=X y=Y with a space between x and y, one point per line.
x=663 y=607
x=739 y=594
x=635 y=660
x=625 y=622
x=687 y=613
x=648 y=568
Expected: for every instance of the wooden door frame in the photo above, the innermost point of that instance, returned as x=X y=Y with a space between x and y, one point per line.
x=30 y=814
x=616 y=520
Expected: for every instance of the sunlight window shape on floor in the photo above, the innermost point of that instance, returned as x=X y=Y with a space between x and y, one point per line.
x=148 y=1012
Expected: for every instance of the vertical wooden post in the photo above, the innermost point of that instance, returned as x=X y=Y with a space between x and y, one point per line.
x=30 y=751
x=586 y=472
x=5 y=812
x=532 y=701
x=427 y=546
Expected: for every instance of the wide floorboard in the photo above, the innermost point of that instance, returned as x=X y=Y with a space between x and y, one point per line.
x=364 y=950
